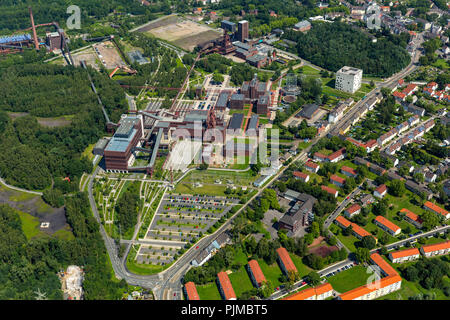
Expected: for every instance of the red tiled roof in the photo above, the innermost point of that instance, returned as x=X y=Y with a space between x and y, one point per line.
x=191 y=291
x=432 y=84
x=286 y=259
x=411 y=215
x=326 y=287
x=343 y=221
x=436 y=246
x=336 y=154
x=257 y=272
x=388 y=224
x=300 y=175
x=360 y=231
x=349 y=170
x=405 y=253
x=398 y=94
x=409 y=88
x=225 y=283
x=435 y=208
x=353 y=208
x=363 y=290
x=337 y=179
x=302 y=295
x=382 y=188
x=329 y=190
x=311 y=164
x=307 y=293
x=380 y=262
x=320 y=155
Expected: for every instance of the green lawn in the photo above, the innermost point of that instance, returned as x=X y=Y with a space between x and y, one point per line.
x=208 y=291
x=349 y=279
x=30 y=225
x=271 y=272
x=302 y=269
x=240 y=281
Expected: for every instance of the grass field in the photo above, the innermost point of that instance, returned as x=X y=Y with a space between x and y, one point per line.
x=349 y=279
x=30 y=225
x=208 y=291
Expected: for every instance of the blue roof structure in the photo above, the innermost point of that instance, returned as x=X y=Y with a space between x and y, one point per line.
x=119 y=144
x=18 y=38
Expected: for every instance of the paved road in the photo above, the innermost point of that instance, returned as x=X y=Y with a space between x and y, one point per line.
x=19 y=189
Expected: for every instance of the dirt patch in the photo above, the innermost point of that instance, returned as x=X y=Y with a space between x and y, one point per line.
x=108 y=55
x=316 y=242
x=323 y=251
x=89 y=56
x=56 y=216
x=183 y=33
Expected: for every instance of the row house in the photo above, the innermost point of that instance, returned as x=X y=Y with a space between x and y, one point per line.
x=380 y=191
x=256 y=274
x=287 y=266
x=436 y=249
x=225 y=287
x=353 y=210
x=350 y=172
x=331 y=191
x=336 y=180
x=404 y=255
x=412 y=218
x=418 y=189
x=320 y=292
x=390 y=283
x=190 y=291
x=357 y=231
x=436 y=209
x=312 y=167
x=387 y=226
x=374 y=290
x=388 y=136
x=301 y=176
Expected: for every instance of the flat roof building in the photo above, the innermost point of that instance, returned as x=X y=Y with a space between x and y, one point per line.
x=348 y=79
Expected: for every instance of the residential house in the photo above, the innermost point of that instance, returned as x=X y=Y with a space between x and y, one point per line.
x=320 y=292
x=301 y=176
x=191 y=291
x=225 y=287
x=387 y=225
x=312 y=167
x=412 y=218
x=436 y=209
x=285 y=260
x=380 y=192
x=336 y=180
x=436 y=249
x=331 y=191
x=366 y=200
x=353 y=210
x=350 y=172
x=256 y=274
x=404 y=255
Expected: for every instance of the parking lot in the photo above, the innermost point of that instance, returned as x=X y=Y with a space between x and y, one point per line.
x=178 y=221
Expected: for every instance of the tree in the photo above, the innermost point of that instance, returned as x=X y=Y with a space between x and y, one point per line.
x=368 y=242
x=380 y=208
x=313 y=278
x=266 y=289
x=397 y=188
x=217 y=77
x=430 y=220
x=419 y=177
x=362 y=254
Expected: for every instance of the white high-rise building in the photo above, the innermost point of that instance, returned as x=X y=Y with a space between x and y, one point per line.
x=348 y=79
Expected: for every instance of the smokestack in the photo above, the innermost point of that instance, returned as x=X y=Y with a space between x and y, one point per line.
x=36 y=42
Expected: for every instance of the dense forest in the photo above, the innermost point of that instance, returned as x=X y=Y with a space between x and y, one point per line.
x=29 y=265
x=14 y=13
x=334 y=45
x=33 y=154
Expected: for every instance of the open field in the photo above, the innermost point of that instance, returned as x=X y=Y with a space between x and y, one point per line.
x=185 y=34
x=349 y=279
x=33 y=211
